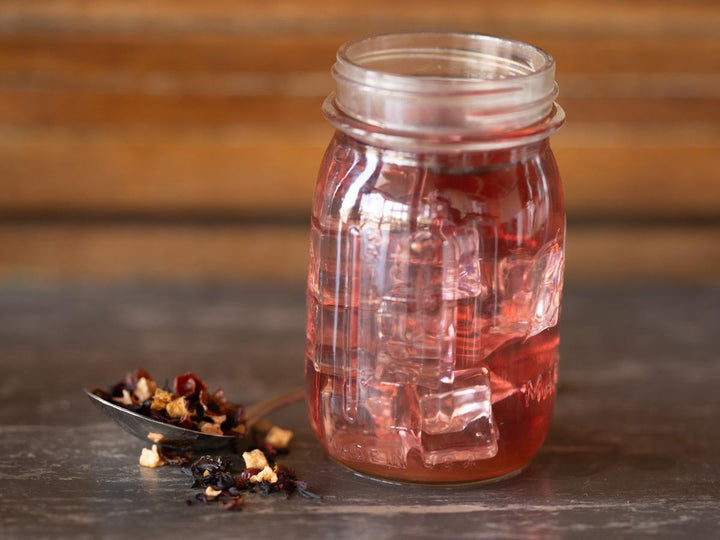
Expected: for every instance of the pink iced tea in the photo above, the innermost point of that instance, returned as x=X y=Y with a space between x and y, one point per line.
x=433 y=301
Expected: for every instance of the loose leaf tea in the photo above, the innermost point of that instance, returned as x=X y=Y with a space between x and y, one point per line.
x=189 y=404
x=224 y=481
x=222 y=478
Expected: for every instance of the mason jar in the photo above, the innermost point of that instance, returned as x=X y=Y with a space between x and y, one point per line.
x=436 y=259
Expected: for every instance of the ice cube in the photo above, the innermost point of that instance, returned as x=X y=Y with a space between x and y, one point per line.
x=415 y=339
x=457 y=421
x=416 y=316
x=523 y=300
x=469 y=281
x=454 y=410
x=331 y=406
x=382 y=260
x=477 y=442
x=388 y=428
x=516 y=287
x=397 y=182
x=530 y=287
x=390 y=406
x=550 y=263
x=350 y=446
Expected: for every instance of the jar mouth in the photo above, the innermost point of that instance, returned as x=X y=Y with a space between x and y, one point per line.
x=443 y=62
x=444 y=83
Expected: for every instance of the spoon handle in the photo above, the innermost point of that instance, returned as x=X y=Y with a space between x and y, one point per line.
x=255 y=412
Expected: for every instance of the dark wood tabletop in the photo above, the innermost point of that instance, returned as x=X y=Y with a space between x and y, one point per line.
x=634 y=449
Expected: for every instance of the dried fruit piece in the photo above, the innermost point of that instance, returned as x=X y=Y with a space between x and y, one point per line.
x=211 y=493
x=126 y=398
x=210 y=427
x=278 y=437
x=160 y=400
x=177 y=408
x=155 y=437
x=255 y=460
x=149 y=457
x=265 y=475
x=144 y=389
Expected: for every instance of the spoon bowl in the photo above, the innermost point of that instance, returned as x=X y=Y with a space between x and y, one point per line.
x=184 y=439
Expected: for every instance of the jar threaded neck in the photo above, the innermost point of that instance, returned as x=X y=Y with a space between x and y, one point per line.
x=401 y=89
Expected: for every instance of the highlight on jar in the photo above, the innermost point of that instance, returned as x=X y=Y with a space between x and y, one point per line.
x=436 y=259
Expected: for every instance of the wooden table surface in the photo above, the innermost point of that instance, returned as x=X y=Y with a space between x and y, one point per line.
x=634 y=449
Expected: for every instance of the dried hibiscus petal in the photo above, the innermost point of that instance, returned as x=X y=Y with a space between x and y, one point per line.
x=218 y=398
x=210 y=465
x=211 y=407
x=222 y=481
x=188 y=384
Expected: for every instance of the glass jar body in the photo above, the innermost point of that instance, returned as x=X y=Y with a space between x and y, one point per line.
x=433 y=299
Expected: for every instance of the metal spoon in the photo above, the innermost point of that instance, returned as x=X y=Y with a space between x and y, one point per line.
x=179 y=438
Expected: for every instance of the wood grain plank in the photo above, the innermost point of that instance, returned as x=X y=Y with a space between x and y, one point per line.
x=89 y=109
x=653 y=171
x=145 y=253
x=83 y=59
x=42 y=107
x=253 y=170
x=692 y=17
x=643 y=254
x=243 y=254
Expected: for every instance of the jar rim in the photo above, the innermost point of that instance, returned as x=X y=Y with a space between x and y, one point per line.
x=448 y=87
x=509 y=61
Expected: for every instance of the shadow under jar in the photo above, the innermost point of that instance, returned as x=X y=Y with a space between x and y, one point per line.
x=436 y=259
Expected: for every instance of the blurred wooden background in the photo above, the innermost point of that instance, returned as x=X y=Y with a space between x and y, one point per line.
x=180 y=139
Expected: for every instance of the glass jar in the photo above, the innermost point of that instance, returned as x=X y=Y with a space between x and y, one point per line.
x=436 y=259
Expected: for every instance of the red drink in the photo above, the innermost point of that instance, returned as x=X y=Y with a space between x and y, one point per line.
x=436 y=267
x=522 y=417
